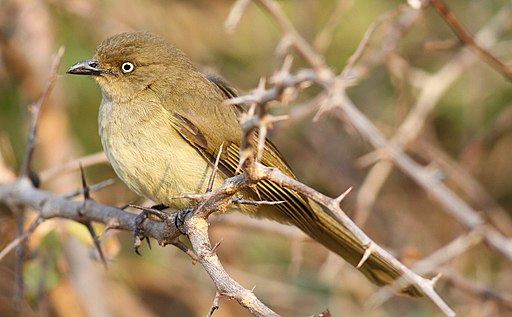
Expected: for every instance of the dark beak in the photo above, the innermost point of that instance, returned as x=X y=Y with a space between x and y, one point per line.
x=87 y=67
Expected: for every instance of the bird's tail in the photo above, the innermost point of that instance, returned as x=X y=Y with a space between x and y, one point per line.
x=321 y=225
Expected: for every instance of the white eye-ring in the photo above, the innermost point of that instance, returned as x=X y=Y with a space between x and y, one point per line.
x=127 y=67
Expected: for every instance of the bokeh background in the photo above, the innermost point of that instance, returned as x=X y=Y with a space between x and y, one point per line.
x=470 y=128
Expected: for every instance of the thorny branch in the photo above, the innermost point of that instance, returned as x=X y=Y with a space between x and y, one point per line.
x=26 y=171
x=468 y=40
x=432 y=88
x=34 y=110
x=337 y=99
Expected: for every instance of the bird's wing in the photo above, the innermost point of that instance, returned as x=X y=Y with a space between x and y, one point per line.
x=189 y=131
x=314 y=220
x=191 y=125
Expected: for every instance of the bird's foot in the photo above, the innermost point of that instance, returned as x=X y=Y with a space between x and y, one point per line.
x=180 y=218
x=138 y=232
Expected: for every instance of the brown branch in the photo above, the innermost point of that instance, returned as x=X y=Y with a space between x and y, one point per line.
x=197 y=229
x=302 y=46
x=86 y=161
x=26 y=171
x=483 y=292
x=20 y=238
x=468 y=40
x=237 y=10
x=165 y=232
x=50 y=206
x=324 y=37
x=432 y=89
x=337 y=98
x=432 y=262
x=427 y=286
x=34 y=110
x=363 y=44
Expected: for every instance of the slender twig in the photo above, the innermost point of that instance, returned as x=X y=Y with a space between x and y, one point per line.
x=34 y=110
x=303 y=47
x=20 y=238
x=324 y=37
x=215 y=304
x=432 y=89
x=86 y=161
x=240 y=201
x=50 y=206
x=183 y=247
x=363 y=44
x=92 y=188
x=237 y=10
x=86 y=192
x=197 y=229
x=214 y=170
x=25 y=169
x=473 y=288
x=468 y=40
x=432 y=262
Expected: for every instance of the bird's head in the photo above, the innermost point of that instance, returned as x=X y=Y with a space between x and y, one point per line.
x=126 y=64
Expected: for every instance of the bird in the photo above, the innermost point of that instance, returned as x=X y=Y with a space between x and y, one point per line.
x=162 y=122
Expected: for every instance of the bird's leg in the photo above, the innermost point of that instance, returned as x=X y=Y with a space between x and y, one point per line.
x=146 y=212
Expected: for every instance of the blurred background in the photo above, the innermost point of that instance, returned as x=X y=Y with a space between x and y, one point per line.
x=467 y=135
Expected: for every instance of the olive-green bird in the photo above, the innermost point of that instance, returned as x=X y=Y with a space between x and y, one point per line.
x=161 y=123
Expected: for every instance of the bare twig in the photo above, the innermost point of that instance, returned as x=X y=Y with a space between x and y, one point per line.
x=197 y=229
x=183 y=247
x=26 y=171
x=476 y=289
x=367 y=36
x=303 y=47
x=467 y=39
x=432 y=262
x=50 y=206
x=35 y=109
x=432 y=89
x=240 y=201
x=215 y=304
x=237 y=10
x=86 y=192
x=324 y=36
x=20 y=238
x=86 y=161
x=92 y=188
x=337 y=98
x=214 y=170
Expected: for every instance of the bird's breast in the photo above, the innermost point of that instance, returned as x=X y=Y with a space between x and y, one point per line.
x=148 y=154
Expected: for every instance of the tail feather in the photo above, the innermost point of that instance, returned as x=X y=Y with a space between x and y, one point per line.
x=331 y=233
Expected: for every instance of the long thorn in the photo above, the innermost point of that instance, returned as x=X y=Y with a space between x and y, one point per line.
x=214 y=170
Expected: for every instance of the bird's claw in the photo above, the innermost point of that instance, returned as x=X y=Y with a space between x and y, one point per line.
x=180 y=218
x=138 y=232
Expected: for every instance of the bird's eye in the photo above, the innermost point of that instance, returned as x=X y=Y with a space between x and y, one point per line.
x=127 y=67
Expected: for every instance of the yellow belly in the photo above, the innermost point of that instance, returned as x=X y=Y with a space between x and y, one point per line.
x=150 y=156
